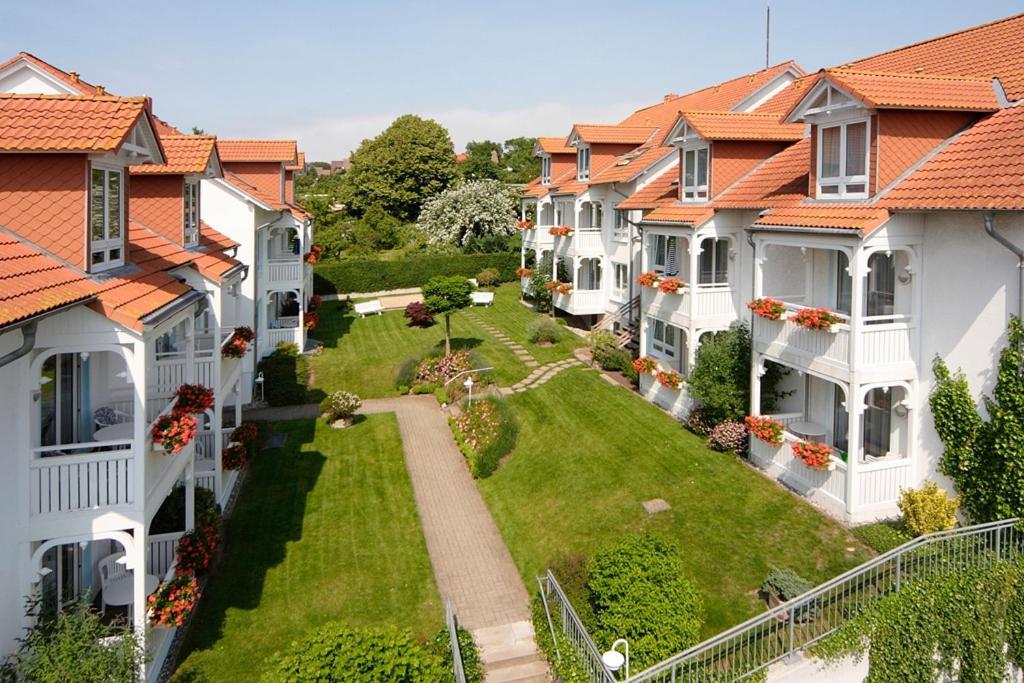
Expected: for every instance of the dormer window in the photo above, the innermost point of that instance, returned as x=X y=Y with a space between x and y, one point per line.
x=106 y=216
x=695 y=174
x=843 y=160
x=191 y=213
x=583 y=163
x=545 y=170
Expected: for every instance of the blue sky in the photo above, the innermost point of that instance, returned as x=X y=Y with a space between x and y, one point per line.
x=333 y=73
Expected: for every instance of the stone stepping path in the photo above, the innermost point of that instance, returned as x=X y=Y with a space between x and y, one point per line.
x=524 y=356
x=540 y=376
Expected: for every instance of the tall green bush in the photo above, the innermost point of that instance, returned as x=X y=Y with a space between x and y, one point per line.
x=285 y=376
x=373 y=275
x=639 y=592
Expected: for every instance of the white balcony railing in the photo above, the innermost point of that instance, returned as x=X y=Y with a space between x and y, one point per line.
x=68 y=483
x=161 y=552
x=714 y=301
x=283 y=335
x=580 y=301
x=283 y=270
x=538 y=237
x=830 y=483
x=580 y=242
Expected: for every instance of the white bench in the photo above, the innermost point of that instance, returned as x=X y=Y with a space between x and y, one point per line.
x=482 y=298
x=366 y=308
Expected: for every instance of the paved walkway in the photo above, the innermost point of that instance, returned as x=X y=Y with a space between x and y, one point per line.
x=540 y=376
x=524 y=356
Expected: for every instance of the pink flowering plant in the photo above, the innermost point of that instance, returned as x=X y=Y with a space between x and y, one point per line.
x=173 y=432
x=193 y=399
x=485 y=432
x=173 y=601
x=439 y=370
x=234 y=456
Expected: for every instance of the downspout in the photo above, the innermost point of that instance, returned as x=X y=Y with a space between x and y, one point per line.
x=28 y=342
x=990 y=228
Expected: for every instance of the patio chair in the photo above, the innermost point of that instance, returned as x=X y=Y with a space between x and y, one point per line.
x=110 y=571
x=108 y=417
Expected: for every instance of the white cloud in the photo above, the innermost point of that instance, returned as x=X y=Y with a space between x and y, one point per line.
x=326 y=138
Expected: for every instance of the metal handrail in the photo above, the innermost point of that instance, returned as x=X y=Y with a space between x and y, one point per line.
x=576 y=633
x=453 y=636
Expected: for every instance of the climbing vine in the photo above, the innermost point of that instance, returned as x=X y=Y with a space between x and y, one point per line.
x=985 y=459
x=955 y=624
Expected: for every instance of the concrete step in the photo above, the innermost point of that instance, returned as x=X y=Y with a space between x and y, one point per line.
x=527 y=672
x=520 y=652
x=504 y=635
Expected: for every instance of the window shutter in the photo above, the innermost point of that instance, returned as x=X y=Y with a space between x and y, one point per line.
x=671 y=257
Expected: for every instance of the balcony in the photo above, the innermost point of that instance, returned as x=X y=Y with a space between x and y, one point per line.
x=284 y=330
x=580 y=243
x=283 y=272
x=580 y=301
x=538 y=237
x=707 y=305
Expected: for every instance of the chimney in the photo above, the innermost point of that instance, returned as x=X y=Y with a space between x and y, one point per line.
x=149 y=104
x=100 y=90
x=74 y=76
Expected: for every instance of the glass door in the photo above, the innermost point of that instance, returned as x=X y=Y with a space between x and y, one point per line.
x=61 y=403
x=63 y=584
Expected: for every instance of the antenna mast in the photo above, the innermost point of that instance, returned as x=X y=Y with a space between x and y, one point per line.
x=767 y=32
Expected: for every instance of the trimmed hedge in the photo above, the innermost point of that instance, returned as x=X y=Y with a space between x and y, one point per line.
x=372 y=275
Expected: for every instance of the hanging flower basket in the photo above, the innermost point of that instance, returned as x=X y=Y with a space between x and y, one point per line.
x=816 y=455
x=235 y=348
x=316 y=249
x=764 y=428
x=560 y=230
x=671 y=285
x=524 y=272
x=310 y=319
x=193 y=399
x=669 y=378
x=767 y=308
x=196 y=549
x=245 y=433
x=173 y=601
x=245 y=333
x=645 y=365
x=525 y=225
x=311 y=258
x=314 y=302
x=821 y=319
x=234 y=456
x=648 y=279
x=564 y=288
x=173 y=432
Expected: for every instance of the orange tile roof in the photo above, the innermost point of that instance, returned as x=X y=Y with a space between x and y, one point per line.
x=663 y=189
x=257 y=150
x=571 y=186
x=992 y=49
x=782 y=179
x=69 y=78
x=184 y=154
x=600 y=133
x=693 y=216
x=826 y=216
x=731 y=125
x=916 y=91
x=163 y=128
x=555 y=146
x=534 y=188
x=630 y=165
x=32 y=282
x=983 y=168
x=153 y=251
x=255 y=192
x=66 y=123
x=784 y=100
x=129 y=298
x=299 y=165
x=214 y=238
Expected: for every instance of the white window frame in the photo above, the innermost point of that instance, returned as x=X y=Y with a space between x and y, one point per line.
x=698 y=190
x=620 y=275
x=657 y=343
x=545 y=170
x=620 y=230
x=709 y=245
x=660 y=253
x=596 y=215
x=190 y=200
x=842 y=180
x=583 y=163
x=107 y=244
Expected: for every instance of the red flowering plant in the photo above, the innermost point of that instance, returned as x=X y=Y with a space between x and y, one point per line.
x=525 y=225
x=245 y=332
x=669 y=378
x=234 y=456
x=173 y=432
x=671 y=285
x=564 y=288
x=814 y=454
x=314 y=302
x=193 y=398
x=311 y=258
x=234 y=348
x=195 y=549
x=245 y=433
x=645 y=365
x=648 y=279
x=560 y=230
x=815 y=319
x=524 y=272
x=552 y=285
x=767 y=308
x=764 y=428
x=173 y=601
x=310 y=319
x=316 y=249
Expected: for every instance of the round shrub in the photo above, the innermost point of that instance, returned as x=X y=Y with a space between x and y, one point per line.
x=488 y=277
x=337 y=652
x=729 y=436
x=638 y=591
x=927 y=509
x=418 y=314
x=699 y=423
x=543 y=331
x=341 y=405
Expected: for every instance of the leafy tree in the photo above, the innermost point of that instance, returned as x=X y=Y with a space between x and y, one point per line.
x=985 y=459
x=73 y=641
x=483 y=161
x=470 y=212
x=444 y=296
x=518 y=162
x=196 y=130
x=398 y=170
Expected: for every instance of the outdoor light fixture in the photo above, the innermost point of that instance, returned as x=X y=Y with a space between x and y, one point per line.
x=84 y=355
x=905 y=275
x=469 y=387
x=615 y=660
x=901 y=409
x=259 y=384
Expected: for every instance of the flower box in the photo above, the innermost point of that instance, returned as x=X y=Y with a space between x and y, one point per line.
x=310 y=319
x=821 y=319
x=671 y=285
x=173 y=601
x=648 y=279
x=525 y=225
x=645 y=365
x=193 y=399
x=560 y=230
x=173 y=432
x=311 y=258
x=764 y=428
x=564 y=288
x=234 y=456
x=669 y=378
x=524 y=272
x=767 y=308
x=196 y=549
x=814 y=454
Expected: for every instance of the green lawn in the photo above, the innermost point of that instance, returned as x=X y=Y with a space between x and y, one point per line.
x=325 y=529
x=590 y=453
x=362 y=354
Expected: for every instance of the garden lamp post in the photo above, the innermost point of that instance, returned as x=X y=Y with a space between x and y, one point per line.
x=469 y=387
x=615 y=660
x=259 y=384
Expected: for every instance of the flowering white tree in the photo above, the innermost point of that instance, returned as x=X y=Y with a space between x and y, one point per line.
x=475 y=210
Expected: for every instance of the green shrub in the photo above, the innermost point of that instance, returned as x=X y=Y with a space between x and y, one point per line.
x=441 y=395
x=424 y=388
x=337 y=652
x=341 y=405
x=171 y=515
x=639 y=592
x=927 y=509
x=405 y=374
x=285 y=374
x=543 y=331
x=602 y=345
x=882 y=536
x=565 y=661
x=572 y=572
x=372 y=275
x=471 y=665
x=485 y=433
x=538 y=290
x=785 y=584
x=488 y=277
